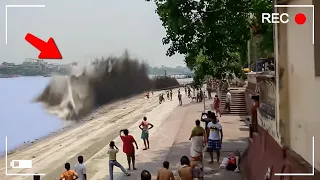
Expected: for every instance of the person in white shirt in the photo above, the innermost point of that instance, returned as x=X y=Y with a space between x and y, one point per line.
x=113 y=160
x=215 y=138
x=81 y=169
x=228 y=100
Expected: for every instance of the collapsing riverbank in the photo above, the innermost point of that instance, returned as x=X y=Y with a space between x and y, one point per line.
x=92 y=86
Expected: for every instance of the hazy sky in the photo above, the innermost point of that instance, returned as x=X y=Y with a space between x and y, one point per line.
x=84 y=29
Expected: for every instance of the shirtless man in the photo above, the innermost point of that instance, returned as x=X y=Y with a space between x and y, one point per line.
x=185 y=171
x=164 y=173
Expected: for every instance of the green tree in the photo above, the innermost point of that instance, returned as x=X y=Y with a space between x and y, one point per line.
x=219 y=29
x=262 y=33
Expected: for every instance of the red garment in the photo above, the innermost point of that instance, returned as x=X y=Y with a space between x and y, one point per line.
x=216 y=103
x=232 y=160
x=127 y=144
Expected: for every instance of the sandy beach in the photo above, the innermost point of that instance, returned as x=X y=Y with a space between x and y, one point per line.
x=89 y=139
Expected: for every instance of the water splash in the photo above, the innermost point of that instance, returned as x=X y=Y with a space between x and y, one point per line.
x=93 y=85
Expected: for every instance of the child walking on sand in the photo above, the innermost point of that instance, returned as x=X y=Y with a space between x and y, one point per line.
x=113 y=160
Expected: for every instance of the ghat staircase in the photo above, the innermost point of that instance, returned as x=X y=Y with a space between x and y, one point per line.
x=238 y=102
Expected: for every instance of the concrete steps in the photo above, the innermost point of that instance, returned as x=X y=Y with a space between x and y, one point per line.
x=238 y=103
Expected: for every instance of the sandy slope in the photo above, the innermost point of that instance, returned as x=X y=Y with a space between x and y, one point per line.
x=89 y=139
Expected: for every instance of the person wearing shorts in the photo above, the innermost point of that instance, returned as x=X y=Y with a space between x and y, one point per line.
x=215 y=138
x=128 y=148
x=144 y=126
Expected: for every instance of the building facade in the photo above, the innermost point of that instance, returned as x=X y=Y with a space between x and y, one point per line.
x=283 y=144
x=299 y=67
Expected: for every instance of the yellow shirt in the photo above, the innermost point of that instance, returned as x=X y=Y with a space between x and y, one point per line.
x=113 y=154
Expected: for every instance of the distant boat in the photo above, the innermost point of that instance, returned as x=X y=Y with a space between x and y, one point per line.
x=47 y=75
x=8 y=75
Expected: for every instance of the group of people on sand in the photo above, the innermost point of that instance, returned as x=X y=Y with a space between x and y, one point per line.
x=210 y=136
x=79 y=170
x=189 y=170
x=169 y=94
x=128 y=148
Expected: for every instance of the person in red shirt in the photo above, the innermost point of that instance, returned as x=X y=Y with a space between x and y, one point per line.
x=128 y=148
x=216 y=105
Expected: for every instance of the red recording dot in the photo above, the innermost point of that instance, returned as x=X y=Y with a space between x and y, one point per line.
x=300 y=18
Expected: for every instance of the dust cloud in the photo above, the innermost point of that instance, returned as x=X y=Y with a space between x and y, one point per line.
x=96 y=84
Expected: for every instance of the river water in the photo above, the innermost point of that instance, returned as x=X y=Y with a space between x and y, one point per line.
x=21 y=120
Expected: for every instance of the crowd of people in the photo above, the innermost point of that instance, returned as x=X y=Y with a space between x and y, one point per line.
x=189 y=170
x=192 y=169
x=169 y=94
x=208 y=138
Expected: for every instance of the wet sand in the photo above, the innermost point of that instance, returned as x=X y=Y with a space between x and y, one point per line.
x=88 y=139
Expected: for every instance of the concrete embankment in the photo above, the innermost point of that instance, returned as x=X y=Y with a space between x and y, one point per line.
x=169 y=141
x=88 y=139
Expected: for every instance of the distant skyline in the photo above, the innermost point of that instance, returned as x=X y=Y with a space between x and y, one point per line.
x=84 y=30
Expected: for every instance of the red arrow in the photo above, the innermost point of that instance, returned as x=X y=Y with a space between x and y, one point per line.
x=48 y=50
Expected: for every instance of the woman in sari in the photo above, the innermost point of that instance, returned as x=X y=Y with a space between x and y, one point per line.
x=198 y=139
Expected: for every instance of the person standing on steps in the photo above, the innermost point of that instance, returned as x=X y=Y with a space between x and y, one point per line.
x=171 y=94
x=113 y=150
x=215 y=138
x=228 y=101
x=144 y=126
x=128 y=148
x=81 y=169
